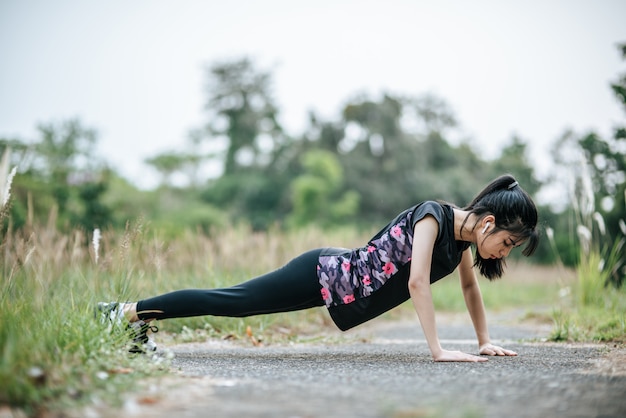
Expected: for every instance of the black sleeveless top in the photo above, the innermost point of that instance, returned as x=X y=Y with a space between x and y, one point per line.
x=360 y=284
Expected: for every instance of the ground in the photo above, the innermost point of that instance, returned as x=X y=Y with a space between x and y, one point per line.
x=384 y=369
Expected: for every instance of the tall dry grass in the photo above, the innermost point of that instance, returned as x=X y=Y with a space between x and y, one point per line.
x=54 y=353
x=597 y=310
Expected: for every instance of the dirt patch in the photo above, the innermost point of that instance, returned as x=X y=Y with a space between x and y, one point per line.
x=612 y=364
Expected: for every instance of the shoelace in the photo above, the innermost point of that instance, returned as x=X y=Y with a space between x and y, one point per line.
x=143 y=328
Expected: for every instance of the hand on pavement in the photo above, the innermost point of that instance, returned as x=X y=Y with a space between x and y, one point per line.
x=494 y=350
x=446 y=355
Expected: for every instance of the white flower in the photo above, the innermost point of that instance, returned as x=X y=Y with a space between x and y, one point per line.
x=584 y=235
x=96 y=243
x=600 y=221
x=587 y=203
x=550 y=233
x=7 y=188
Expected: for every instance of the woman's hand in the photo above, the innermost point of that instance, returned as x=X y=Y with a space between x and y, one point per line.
x=485 y=349
x=494 y=350
x=446 y=355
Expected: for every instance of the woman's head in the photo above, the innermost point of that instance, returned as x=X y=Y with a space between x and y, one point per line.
x=504 y=206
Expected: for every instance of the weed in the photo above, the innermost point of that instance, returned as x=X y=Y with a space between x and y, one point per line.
x=598 y=310
x=563 y=329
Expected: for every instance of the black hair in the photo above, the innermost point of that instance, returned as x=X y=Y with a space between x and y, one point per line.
x=514 y=211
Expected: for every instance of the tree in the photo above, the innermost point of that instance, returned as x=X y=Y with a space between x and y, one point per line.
x=319 y=195
x=378 y=157
x=167 y=164
x=431 y=112
x=242 y=111
x=395 y=153
x=514 y=159
x=597 y=166
x=64 y=156
x=95 y=213
x=607 y=161
x=259 y=158
x=61 y=169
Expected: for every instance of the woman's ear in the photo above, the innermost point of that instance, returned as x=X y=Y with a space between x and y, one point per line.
x=487 y=222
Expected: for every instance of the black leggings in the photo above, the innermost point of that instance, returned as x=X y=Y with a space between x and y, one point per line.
x=292 y=287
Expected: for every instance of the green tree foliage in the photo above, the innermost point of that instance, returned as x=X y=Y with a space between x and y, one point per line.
x=59 y=170
x=597 y=169
x=187 y=163
x=319 y=195
x=607 y=160
x=608 y=163
x=514 y=159
x=64 y=153
x=168 y=164
x=392 y=153
x=376 y=158
x=258 y=157
x=392 y=163
x=619 y=87
x=127 y=203
x=242 y=111
x=94 y=212
x=373 y=148
x=253 y=197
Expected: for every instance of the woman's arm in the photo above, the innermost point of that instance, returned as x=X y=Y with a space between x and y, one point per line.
x=476 y=307
x=425 y=234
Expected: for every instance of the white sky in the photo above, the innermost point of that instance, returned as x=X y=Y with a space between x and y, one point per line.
x=135 y=70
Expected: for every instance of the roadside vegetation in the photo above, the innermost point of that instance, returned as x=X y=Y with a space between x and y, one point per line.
x=55 y=355
x=594 y=306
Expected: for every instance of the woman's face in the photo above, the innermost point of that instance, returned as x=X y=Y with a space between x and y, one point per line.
x=497 y=245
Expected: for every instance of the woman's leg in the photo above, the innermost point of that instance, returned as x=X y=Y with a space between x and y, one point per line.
x=292 y=287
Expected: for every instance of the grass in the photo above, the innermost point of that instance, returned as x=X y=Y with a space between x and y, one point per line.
x=52 y=352
x=54 y=355
x=595 y=310
x=523 y=285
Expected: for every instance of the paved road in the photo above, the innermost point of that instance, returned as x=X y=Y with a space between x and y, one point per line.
x=387 y=371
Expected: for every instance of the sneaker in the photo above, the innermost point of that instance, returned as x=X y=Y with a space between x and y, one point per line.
x=111 y=314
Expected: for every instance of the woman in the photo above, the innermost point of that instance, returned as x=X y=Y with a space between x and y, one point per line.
x=420 y=246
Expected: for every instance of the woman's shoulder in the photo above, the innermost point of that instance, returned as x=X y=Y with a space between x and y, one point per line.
x=431 y=207
x=442 y=212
